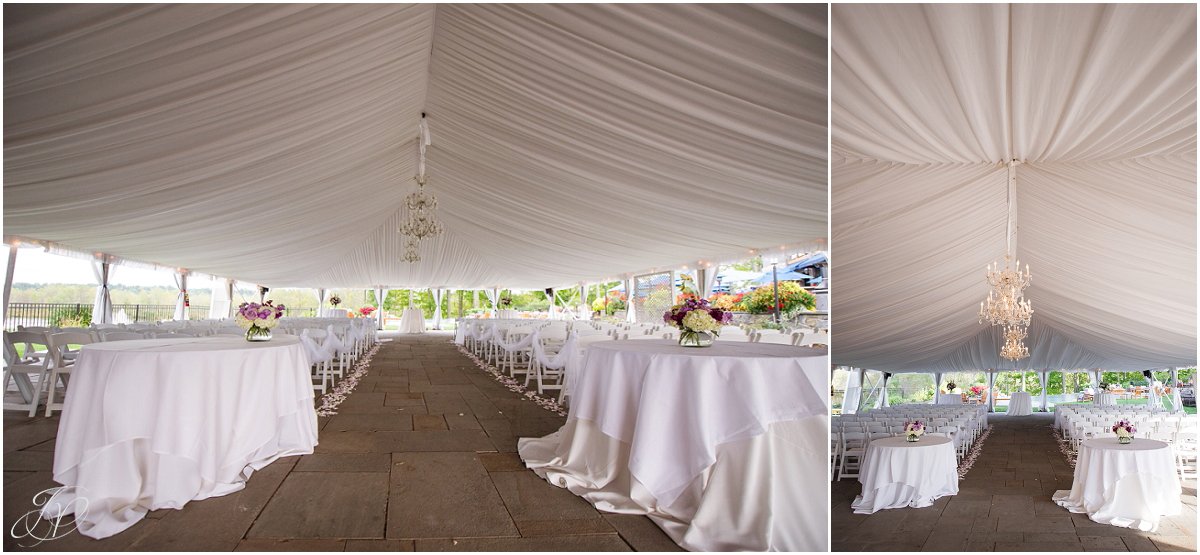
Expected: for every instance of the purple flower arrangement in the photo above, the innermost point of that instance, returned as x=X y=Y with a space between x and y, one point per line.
x=258 y=319
x=1124 y=430
x=695 y=318
x=914 y=429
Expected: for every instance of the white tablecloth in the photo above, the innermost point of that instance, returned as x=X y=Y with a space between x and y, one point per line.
x=1131 y=486
x=333 y=313
x=1021 y=404
x=151 y=424
x=507 y=314
x=1105 y=399
x=949 y=399
x=897 y=473
x=721 y=446
x=412 y=320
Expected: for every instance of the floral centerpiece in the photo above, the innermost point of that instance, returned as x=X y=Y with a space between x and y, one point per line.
x=792 y=298
x=366 y=311
x=258 y=319
x=977 y=390
x=1124 y=431
x=505 y=302
x=914 y=429
x=950 y=387
x=335 y=300
x=698 y=322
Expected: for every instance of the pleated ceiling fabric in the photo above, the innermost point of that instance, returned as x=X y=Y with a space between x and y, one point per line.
x=1097 y=106
x=274 y=143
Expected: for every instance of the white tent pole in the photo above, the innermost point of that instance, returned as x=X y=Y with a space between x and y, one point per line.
x=8 y=278
x=630 y=313
x=553 y=304
x=1044 y=377
x=102 y=308
x=380 y=292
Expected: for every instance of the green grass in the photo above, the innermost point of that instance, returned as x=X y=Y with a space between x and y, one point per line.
x=1186 y=409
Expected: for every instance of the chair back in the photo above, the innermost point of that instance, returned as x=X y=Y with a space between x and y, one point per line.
x=108 y=335
x=60 y=345
x=25 y=338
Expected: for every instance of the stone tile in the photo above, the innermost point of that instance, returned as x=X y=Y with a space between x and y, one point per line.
x=428 y=422
x=29 y=461
x=345 y=462
x=1092 y=543
x=446 y=440
x=326 y=505
x=462 y=421
x=30 y=433
x=379 y=545
x=217 y=523
x=441 y=495
x=1029 y=523
x=1175 y=543
x=641 y=533
x=405 y=400
x=1137 y=543
x=291 y=545
x=502 y=462
x=388 y=422
x=529 y=497
x=563 y=527
x=1072 y=545
x=598 y=542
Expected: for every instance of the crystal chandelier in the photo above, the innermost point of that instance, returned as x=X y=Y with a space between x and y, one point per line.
x=1005 y=304
x=1014 y=347
x=420 y=208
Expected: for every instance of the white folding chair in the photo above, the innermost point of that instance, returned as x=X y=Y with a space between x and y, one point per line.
x=19 y=370
x=60 y=364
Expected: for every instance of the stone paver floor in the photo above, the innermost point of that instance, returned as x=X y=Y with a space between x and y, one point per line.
x=1004 y=504
x=421 y=456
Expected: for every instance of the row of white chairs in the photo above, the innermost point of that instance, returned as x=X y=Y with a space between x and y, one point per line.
x=851 y=434
x=1079 y=423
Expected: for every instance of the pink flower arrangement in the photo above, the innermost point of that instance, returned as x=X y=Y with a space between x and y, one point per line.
x=366 y=310
x=977 y=390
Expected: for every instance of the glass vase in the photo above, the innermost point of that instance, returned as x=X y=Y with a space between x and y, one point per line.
x=1124 y=440
x=913 y=438
x=689 y=338
x=255 y=333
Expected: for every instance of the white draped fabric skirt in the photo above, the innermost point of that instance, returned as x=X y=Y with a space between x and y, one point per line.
x=766 y=493
x=1131 y=486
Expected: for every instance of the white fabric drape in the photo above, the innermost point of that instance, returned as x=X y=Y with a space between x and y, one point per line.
x=218 y=307
x=676 y=110
x=380 y=296
x=853 y=391
x=1042 y=379
x=1103 y=120
x=181 y=311
x=630 y=313
x=937 y=384
x=991 y=393
x=493 y=295
x=706 y=279
x=102 y=310
x=437 y=309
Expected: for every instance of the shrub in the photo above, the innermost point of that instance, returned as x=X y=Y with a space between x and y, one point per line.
x=74 y=317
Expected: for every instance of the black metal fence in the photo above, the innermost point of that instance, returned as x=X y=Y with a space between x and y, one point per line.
x=80 y=314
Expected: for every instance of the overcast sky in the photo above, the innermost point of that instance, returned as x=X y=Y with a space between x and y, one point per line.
x=38 y=266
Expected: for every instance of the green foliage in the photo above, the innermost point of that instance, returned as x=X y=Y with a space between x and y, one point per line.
x=75 y=317
x=749 y=265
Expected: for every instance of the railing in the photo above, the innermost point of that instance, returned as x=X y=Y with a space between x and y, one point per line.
x=46 y=314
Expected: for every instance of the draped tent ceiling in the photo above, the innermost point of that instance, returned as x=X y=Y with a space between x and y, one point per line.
x=1098 y=106
x=275 y=143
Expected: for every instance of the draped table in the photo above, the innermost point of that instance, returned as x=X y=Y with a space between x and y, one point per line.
x=722 y=446
x=412 y=320
x=1130 y=485
x=1105 y=399
x=1021 y=404
x=506 y=314
x=155 y=423
x=949 y=399
x=898 y=473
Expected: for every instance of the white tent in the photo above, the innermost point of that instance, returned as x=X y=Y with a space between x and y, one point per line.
x=1097 y=106
x=274 y=143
